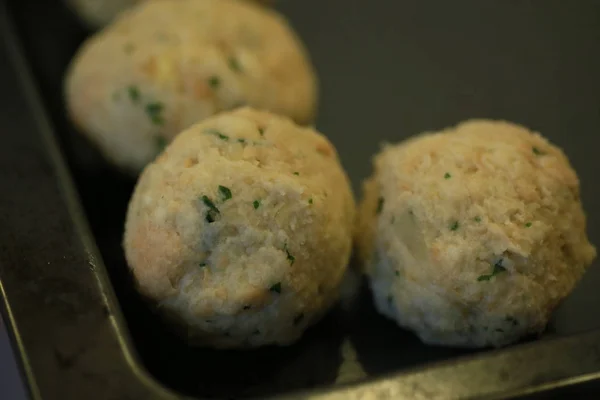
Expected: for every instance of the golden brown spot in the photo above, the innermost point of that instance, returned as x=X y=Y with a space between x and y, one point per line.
x=325 y=149
x=190 y=162
x=149 y=67
x=150 y=255
x=256 y=297
x=201 y=89
x=221 y=293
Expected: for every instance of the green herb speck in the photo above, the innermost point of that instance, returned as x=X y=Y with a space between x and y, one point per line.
x=276 y=288
x=528 y=224
x=310 y=201
x=225 y=193
x=154 y=111
x=217 y=134
x=380 y=205
x=134 y=93
x=241 y=140
x=290 y=257
x=161 y=143
x=537 y=151
x=261 y=131
x=202 y=264
x=447 y=175
x=214 y=82
x=397 y=273
x=297 y=173
x=234 y=64
x=477 y=219
x=454 y=226
x=256 y=204
x=212 y=212
x=498 y=268
x=298 y=318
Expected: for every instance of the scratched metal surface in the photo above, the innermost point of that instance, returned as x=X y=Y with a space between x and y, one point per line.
x=387 y=70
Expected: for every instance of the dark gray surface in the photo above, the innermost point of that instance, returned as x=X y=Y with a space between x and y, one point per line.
x=388 y=70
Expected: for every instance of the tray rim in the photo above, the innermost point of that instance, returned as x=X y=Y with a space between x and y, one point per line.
x=543 y=376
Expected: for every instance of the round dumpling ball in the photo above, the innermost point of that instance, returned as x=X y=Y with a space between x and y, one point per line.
x=97 y=13
x=241 y=230
x=165 y=65
x=473 y=235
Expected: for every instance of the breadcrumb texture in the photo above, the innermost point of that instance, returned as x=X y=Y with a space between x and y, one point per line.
x=241 y=230
x=473 y=235
x=98 y=13
x=164 y=65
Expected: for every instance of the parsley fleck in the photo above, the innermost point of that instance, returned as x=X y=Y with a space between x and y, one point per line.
x=154 y=111
x=454 y=226
x=397 y=273
x=297 y=173
x=242 y=140
x=528 y=224
x=161 y=143
x=447 y=175
x=256 y=204
x=276 y=288
x=214 y=82
x=537 y=151
x=246 y=307
x=234 y=64
x=298 y=318
x=310 y=201
x=212 y=212
x=380 y=205
x=217 y=134
x=225 y=193
x=512 y=320
x=202 y=264
x=498 y=268
x=290 y=257
x=477 y=219
x=261 y=131
x=134 y=93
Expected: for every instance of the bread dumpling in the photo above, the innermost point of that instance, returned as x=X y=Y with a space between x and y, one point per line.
x=167 y=64
x=241 y=230
x=473 y=235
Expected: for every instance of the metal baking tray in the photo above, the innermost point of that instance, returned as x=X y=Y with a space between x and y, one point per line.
x=388 y=69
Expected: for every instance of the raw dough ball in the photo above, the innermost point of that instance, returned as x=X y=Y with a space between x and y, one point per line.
x=165 y=65
x=242 y=229
x=473 y=235
x=97 y=13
